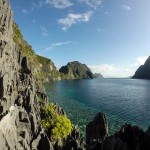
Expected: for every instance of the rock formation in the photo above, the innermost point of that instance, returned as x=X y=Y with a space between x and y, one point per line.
x=96 y=131
x=143 y=72
x=22 y=95
x=42 y=68
x=73 y=142
x=20 y=126
x=128 y=138
x=76 y=70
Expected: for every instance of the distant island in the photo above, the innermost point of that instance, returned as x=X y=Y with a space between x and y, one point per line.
x=76 y=70
x=143 y=72
x=98 y=75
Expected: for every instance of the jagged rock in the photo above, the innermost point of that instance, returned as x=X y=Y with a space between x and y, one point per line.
x=128 y=138
x=113 y=143
x=97 y=130
x=131 y=135
x=74 y=141
x=21 y=92
x=42 y=142
x=59 y=110
x=20 y=116
x=145 y=144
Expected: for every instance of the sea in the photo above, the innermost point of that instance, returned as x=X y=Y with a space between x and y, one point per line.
x=122 y=100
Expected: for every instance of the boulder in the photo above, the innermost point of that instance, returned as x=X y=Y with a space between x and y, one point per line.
x=97 y=130
x=128 y=138
x=114 y=143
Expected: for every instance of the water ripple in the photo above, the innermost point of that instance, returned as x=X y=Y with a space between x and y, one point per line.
x=123 y=100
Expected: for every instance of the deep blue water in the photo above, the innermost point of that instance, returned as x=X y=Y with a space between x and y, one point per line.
x=123 y=100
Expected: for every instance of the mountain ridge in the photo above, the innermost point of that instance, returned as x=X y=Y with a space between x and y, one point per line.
x=143 y=72
x=76 y=70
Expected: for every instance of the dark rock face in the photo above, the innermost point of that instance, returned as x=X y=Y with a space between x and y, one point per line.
x=97 y=130
x=21 y=93
x=143 y=72
x=128 y=138
x=76 y=70
x=72 y=142
x=20 y=116
x=114 y=143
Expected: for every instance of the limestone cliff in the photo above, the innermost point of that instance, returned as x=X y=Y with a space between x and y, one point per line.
x=143 y=72
x=43 y=68
x=22 y=95
x=76 y=70
x=20 y=126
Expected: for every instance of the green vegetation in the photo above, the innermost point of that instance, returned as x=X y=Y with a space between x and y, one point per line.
x=18 y=39
x=57 y=126
x=43 y=68
x=76 y=70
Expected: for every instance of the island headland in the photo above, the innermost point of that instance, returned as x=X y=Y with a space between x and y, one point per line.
x=143 y=72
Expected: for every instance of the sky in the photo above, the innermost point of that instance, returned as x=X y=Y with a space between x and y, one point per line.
x=111 y=37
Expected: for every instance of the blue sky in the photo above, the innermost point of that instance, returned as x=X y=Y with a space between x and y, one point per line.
x=110 y=36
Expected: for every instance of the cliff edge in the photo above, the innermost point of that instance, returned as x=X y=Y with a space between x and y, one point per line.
x=22 y=95
x=143 y=72
x=20 y=115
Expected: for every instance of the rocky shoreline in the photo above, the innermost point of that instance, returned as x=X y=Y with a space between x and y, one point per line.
x=22 y=96
x=128 y=138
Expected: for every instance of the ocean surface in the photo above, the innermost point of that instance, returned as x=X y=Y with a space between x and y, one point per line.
x=123 y=101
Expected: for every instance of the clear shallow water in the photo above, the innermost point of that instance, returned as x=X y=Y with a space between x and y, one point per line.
x=123 y=100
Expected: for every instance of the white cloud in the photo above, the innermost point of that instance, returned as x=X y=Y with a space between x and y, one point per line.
x=71 y=19
x=140 y=61
x=59 y=3
x=126 y=7
x=44 y=31
x=25 y=11
x=59 y=44
x=110 y=70
x=92 y=3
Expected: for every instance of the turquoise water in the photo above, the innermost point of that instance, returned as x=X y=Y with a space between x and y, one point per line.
x=123 y=100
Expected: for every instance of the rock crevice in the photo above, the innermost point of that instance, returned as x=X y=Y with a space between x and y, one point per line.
x=20 y=116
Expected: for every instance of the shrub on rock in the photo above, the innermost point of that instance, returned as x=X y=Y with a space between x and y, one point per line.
x=56 y=125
